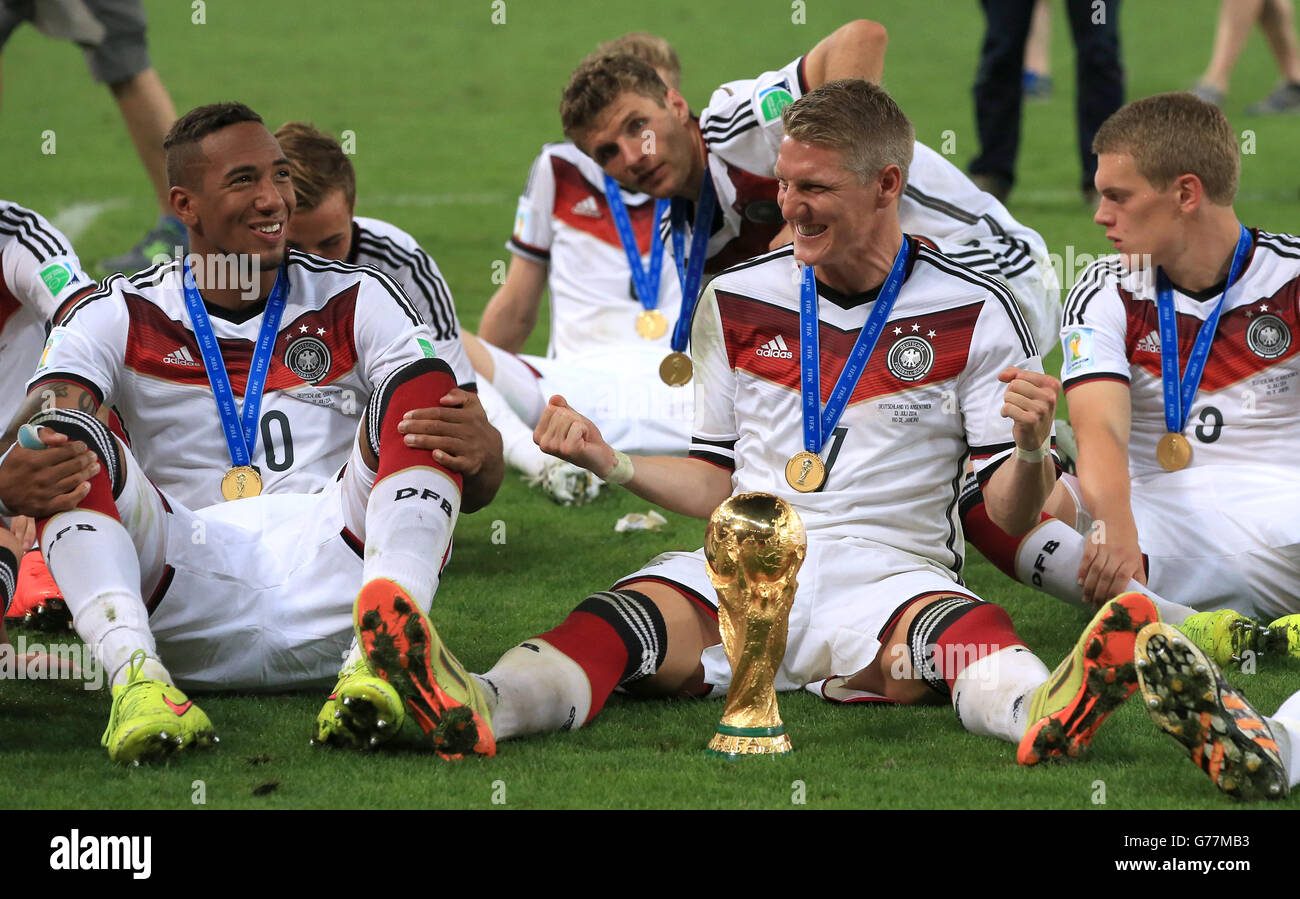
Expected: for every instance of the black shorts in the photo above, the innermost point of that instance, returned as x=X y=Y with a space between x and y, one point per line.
x=111 y=33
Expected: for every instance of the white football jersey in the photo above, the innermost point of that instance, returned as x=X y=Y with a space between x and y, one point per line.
x=344 y=329
x=398 y=255
x=928 y=397
x=1246 y=413
x=742 y=128
x=564 y=222
x=39 y=271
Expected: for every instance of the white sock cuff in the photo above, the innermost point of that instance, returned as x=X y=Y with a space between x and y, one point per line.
x=992 y=695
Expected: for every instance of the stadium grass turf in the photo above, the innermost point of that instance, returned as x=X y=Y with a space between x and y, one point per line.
x=447 y=110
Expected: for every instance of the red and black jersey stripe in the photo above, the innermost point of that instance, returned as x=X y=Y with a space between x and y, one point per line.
x=571 y=188
x=748 y=324
x=152 y=336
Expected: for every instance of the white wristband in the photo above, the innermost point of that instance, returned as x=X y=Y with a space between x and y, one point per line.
x=1035 y=456
x=621 y=473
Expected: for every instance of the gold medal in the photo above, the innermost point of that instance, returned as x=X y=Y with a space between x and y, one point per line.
x=805 y=471
x=241 y=481
x=651 y=324
x=1173 y=452
x=675 y=370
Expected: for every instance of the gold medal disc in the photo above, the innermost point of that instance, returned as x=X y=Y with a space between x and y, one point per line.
x=240 y=482
x=675 y=370
x=651 y=324
x=1173 y=452
x=805 y=471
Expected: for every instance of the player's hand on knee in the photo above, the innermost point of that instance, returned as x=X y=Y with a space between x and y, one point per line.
x=1107 y=568
x=42 y=482
x=24 y=528
x=456 y=432
x=1030 y=403
x=571 y=436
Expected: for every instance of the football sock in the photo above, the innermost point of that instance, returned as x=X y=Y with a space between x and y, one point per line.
x=8 y=577
x=537 y=689
x=94 y=562
x=971 y=650
x=517 y=382
x=569 y=672
x=1048 y=557
x=951 y=633
x=415 y=501
x=516 y=437
x=1286 y=730
x=992 y=696
x=93 y=559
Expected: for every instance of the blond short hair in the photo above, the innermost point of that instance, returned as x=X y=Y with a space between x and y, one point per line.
x=318 y=165
x=1170 y=135
x=857 y=118
x=650 y=48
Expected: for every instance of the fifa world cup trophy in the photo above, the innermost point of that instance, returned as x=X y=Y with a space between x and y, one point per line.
x=755 y=544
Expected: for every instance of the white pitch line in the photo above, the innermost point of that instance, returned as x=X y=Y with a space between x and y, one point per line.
x=76 y=219
x=480 y=199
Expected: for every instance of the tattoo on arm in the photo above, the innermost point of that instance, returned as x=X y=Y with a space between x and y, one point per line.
x=54 y=395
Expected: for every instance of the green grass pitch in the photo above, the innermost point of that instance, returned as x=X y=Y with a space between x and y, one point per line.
x=447 y=109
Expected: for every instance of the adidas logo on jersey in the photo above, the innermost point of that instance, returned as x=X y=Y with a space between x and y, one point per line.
x=182 y=357
x=775 y=349
x=587 y=206
x=1150 y=343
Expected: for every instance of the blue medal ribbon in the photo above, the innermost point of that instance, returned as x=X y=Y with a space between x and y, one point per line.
x=1179 y=396
x=816 y=421
x=691 y=272
x=645 y=280
x=240 y=429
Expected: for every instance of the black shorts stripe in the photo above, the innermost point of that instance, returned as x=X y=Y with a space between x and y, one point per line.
x=991 y=449
x=952 y=544
x=709 y=604
x=727 y=462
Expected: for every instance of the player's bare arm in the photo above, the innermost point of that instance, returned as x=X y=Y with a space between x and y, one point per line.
x=1099 y=411
x=854 y=50
x=511 y=314
x=1017 y=490
x=39 y=483
x=686 y=486
x=458 y=434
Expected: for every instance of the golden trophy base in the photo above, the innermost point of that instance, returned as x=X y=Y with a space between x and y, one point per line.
x=741 y=742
